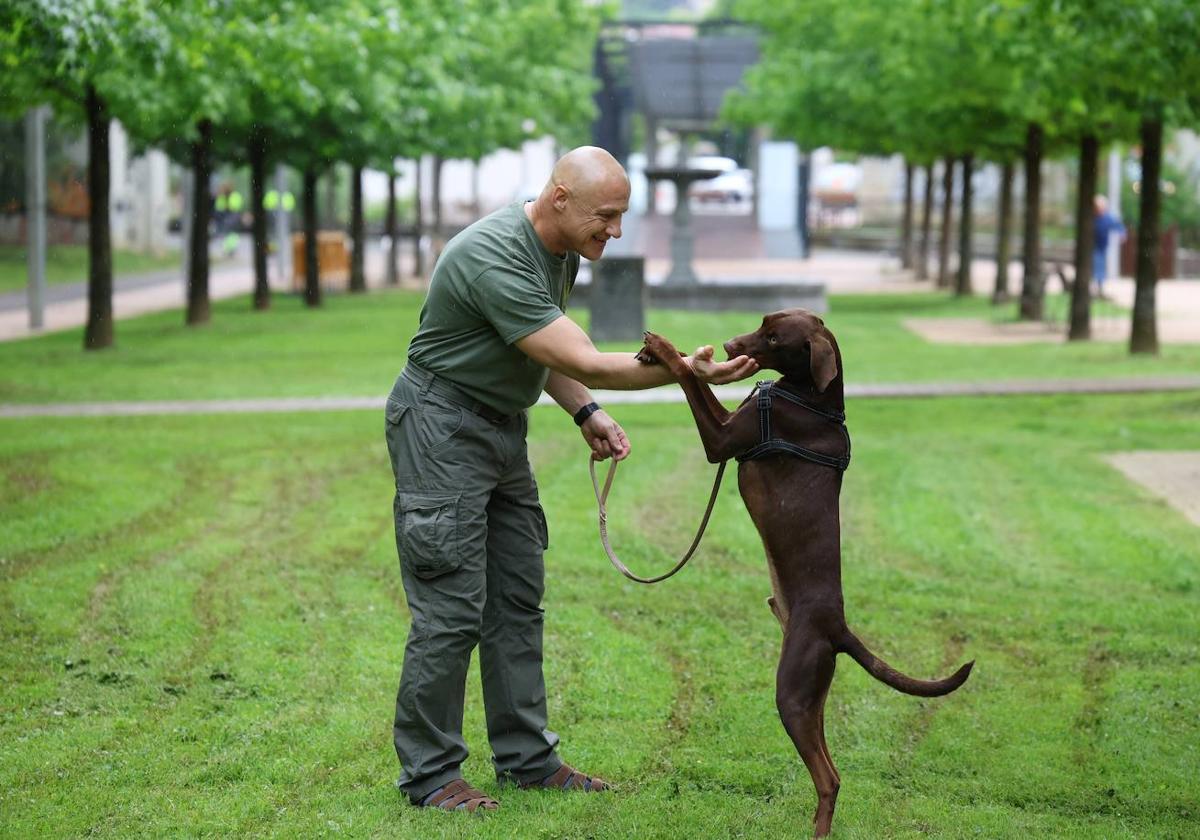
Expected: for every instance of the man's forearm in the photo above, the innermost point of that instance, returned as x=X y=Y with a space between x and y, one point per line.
x=571 y=394
x=622 y=372
x=617 y=371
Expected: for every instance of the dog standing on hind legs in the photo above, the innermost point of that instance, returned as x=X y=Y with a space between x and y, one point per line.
x=791 y=441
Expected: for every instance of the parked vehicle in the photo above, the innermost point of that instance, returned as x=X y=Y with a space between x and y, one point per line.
x=733 y=186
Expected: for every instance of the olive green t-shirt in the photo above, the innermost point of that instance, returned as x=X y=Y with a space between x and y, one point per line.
x=494 y=284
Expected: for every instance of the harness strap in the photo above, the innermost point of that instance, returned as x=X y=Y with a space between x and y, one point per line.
x=769 y=444
x=602 y=499
x=834 y=416
x=841 y=463
x=764 y=410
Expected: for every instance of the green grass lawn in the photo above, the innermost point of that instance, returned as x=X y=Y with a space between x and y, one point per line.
x=69 y=264
x=354 y=345
x=202 y=625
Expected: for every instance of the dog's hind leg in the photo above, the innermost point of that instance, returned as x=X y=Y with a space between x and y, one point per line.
x=801 y=683
x=837 y=777
x=775 y=611
x=776 y=602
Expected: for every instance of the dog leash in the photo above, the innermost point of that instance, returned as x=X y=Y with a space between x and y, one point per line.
x=602 y=499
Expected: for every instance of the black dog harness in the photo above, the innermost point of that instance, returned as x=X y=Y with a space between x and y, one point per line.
x=770 y=445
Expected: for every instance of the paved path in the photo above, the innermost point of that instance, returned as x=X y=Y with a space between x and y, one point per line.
x=733 y=393
x=66 y=304
x=66 y=308
x=60 y=292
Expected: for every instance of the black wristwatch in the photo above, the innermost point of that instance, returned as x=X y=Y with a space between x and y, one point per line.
x=584 y=413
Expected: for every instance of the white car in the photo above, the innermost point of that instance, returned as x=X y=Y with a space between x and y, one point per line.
x=734 y=184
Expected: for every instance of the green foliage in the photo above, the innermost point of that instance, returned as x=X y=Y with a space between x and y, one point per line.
x=360 y=81
x=52 y=50
x=930 y=78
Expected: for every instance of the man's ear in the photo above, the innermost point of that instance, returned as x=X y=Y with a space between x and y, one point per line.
x=559 y=197
x=822 y=362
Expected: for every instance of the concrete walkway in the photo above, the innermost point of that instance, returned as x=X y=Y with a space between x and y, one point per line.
x=66 y=305
x=728 y=393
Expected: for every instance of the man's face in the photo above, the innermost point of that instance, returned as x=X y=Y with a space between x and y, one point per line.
x=593 y=217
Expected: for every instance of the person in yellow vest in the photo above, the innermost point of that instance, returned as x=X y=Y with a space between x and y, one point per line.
x=231 y=221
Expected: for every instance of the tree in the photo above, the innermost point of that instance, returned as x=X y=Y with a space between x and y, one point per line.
x=1003 y=225
x=962 y=284
x=72 y=56
x=1161 y=86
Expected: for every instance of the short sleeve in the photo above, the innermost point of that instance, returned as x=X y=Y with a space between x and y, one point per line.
x=514 y=303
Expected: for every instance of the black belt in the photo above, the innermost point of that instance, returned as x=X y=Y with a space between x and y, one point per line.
x=446 y=389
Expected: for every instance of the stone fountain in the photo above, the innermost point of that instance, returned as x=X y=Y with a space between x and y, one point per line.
x=681 y=273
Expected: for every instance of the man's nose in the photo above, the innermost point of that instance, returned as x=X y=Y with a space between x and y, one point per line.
x=614 y=228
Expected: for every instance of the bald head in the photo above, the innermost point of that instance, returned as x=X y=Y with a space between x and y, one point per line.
x=580 y=207
x=589 y=171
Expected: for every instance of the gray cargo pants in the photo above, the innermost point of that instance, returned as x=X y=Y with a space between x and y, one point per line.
x=470 y=533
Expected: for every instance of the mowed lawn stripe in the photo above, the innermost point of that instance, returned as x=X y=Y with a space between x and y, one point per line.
x=280 y=575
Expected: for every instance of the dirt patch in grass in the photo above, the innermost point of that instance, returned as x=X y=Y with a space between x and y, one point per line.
x=25 y=476
x=981 y=331
x=1172 y=476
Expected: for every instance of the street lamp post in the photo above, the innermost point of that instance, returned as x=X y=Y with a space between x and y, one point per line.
x=35 y=212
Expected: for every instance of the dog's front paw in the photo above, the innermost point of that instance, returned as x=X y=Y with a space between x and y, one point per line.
x=646 y=357
x=658 y=350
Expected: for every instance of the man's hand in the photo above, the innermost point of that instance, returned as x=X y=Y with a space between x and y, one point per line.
x=720 y=373
x=605 y=437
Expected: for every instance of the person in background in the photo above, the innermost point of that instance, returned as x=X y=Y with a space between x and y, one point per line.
x=1106 y=225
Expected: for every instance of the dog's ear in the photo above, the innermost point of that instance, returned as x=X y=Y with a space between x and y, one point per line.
x=822 y=362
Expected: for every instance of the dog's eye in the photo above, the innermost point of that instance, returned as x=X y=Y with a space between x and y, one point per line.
x=771 y=340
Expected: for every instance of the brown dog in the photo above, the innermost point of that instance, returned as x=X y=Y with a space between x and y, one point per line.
x=791 y=439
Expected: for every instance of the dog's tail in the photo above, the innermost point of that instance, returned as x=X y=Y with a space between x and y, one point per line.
x=885 y=673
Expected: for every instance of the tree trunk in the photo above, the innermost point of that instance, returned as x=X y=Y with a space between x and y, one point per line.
x=393 y=253
x=1144 y=335
x=926 y=224
x=358 y=275
x=437 y=208
x=258 y=213
x=943 y=275
x=906 y=233
x=330 y=221
x=1003 y=227
x=1085 y=237
x=421 y=268
x=98 y=333
x=1032 y=283
x=966 y=251
x=198 y=306
x=312 y=276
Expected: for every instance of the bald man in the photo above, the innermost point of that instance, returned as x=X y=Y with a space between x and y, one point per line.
x=470 y=530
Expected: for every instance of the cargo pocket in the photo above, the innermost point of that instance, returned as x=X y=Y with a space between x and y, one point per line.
x=394 y=412
x=427 y=532
x=543 y=530
x=399 y=448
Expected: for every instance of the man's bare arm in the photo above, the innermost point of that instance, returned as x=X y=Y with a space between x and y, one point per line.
x=563 y=347
x=602 y=433
x=567 y=392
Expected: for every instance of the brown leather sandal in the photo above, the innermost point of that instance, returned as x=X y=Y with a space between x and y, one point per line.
x=568 y=778
x=459 y=796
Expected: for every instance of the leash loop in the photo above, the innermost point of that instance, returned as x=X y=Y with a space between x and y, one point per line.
x=601 y=503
